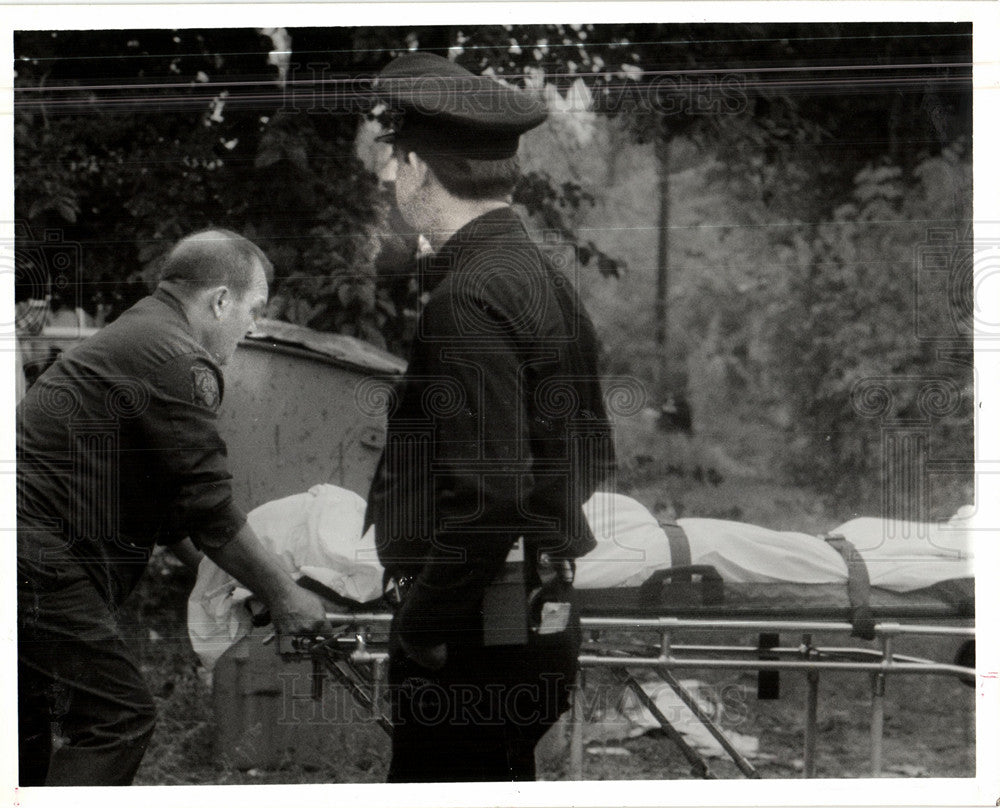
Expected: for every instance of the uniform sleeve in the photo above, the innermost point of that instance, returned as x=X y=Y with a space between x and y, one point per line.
x=481 y=469
x=182 y=435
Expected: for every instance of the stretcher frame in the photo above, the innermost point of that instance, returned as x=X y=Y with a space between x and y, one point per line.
x=357 y=659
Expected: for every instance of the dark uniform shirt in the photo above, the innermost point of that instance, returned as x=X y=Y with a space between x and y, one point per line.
x=118 y=449
x=497 y=431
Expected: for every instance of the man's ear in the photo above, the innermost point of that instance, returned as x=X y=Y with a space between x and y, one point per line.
x=420 y=168
x=219 y=298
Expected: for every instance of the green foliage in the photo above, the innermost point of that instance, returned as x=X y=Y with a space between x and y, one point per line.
x=321 y=227
x=126 y=151
x=180 y=143
x=175 y=131
x=547 y=202
x=854 y=321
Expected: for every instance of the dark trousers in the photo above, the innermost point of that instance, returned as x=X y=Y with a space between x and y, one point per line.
x=85 y=715
x=478 y=718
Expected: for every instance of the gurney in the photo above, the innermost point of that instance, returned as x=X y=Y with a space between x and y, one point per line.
x=644 y=588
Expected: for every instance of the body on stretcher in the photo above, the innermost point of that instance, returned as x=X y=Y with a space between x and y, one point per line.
x=696 y=568
x=644 y=578
x=864 y=569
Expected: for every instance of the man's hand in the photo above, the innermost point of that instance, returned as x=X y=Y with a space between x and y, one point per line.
x=294 y=610
x=299 y=611
x=432 y=657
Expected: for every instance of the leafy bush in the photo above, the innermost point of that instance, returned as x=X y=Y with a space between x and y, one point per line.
x=868 y=347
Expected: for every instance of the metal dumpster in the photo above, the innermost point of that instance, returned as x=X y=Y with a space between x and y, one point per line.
x=290 y=420
x=290 y=417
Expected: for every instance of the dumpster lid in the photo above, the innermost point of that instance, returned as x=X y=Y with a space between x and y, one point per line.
x=349 y=350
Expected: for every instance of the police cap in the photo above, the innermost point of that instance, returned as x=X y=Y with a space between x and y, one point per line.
x=440 y=105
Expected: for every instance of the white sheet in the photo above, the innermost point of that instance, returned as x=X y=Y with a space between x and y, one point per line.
x=900 y=556
x=318 y=534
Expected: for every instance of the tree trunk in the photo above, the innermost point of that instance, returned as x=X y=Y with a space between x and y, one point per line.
x=662 y=310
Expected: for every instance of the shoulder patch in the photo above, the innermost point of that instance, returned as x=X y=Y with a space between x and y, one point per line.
x=205 y=387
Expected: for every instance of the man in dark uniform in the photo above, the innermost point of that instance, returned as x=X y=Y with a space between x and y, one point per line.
x=117 y=450
x=496 y=437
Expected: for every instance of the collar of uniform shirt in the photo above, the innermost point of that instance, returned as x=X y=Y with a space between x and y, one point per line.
x=164 y=295
x=434 y=268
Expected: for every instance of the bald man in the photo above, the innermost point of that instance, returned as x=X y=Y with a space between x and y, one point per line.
x=117 y=451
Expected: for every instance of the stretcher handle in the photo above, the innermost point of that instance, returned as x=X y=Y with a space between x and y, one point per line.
x=668 y=586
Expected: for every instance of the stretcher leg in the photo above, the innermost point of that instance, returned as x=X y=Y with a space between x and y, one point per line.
x=378 y=681
x=812 y=703
x=878 y=720
x=576 y=733
x=361 y=688
x=741 y=762
x=699 y=767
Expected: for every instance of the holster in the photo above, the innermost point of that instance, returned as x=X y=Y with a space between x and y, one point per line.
x=530 y=597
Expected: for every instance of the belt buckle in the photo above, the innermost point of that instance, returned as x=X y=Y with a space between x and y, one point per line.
x=398 y=586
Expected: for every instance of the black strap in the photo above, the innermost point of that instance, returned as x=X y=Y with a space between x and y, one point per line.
x=680 y=549
x=858 y=588
x=336 y=598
